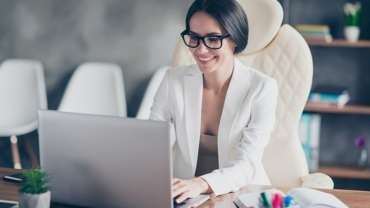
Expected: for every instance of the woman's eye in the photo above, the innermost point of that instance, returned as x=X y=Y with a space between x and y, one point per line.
x=213 y=39
x=193 y=38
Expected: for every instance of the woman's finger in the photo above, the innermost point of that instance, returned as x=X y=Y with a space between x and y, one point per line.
x=175 y=180
x=178 y=185
x=185 y=195
x=179 y=191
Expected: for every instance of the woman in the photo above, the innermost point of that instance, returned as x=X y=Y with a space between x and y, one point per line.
x=221 y=111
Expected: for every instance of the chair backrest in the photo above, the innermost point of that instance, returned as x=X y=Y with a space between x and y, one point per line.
x=95 y=88
x=281 y=53
x=151 y=90
x=22 y=94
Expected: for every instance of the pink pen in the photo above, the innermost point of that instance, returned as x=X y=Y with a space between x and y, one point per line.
x=276 y=201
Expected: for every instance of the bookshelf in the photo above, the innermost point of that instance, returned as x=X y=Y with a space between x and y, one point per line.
x=338 y=63
x=345 y=172
x=347 y=109
x=341 y=43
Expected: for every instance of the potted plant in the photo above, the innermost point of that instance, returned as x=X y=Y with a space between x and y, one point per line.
x=35 y=191
x=361 y=152
x=352 y=12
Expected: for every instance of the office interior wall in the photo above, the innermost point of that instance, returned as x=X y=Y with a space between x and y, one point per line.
x=139 y=35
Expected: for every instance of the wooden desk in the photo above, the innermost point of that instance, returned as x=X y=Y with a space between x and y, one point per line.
x=354 y=199
x=8 y=191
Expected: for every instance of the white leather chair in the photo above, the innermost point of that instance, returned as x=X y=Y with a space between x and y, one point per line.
x=282 y=53
x=95 y=88
x=151 y=90
x=22 y=94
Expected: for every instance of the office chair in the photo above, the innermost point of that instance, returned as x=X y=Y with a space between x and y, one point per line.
x=151 y=90
x=281 y=53
x=95 y=88
x=22 y=94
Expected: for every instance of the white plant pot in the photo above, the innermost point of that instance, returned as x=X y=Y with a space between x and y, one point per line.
x=34 y=200
x=352 y=33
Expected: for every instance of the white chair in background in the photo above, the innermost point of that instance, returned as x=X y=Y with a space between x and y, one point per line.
x=151 y=90
x=281 y=53
x=22 y=94
x=95 y=88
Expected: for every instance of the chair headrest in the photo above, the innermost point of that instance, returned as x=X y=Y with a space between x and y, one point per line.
x=264 y=21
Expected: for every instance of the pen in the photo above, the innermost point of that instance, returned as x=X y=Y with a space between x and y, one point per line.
x=287 y=201
x=265 y=201
x=276 y=201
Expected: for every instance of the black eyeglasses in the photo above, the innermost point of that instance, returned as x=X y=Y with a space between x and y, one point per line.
x=210 y=41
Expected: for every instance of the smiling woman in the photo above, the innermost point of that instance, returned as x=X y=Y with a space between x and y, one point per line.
x=215 y=24
x=222 y=111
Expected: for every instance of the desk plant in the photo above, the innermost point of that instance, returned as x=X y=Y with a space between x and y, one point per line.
x=35 y=191
x=352 y=12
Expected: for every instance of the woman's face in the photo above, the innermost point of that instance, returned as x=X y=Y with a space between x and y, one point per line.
x=209 y=60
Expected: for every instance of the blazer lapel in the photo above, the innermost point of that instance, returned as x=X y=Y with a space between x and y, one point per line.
x=234 y=98
x=193 y=92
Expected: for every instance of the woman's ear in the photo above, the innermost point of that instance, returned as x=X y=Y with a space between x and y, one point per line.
x=233 y=46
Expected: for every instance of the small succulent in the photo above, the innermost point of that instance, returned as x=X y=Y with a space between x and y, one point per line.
x=35 y=181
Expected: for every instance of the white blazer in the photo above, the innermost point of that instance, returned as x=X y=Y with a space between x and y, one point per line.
x=246 y=122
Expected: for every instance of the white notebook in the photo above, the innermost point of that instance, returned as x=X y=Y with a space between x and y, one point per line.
x=304 y=198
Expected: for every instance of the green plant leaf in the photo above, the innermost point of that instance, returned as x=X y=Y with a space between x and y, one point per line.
x=35 y=181
x=353 y=20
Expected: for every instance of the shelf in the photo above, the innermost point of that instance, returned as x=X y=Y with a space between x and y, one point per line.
x=347 y=109
x=341 y=43
x=345 y=172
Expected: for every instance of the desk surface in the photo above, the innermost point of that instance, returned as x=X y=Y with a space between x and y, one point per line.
x=354 y=199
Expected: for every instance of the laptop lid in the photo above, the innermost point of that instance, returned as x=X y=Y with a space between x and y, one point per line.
x=105 y=161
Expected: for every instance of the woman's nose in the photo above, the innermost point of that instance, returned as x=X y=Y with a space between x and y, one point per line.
x=202 y=48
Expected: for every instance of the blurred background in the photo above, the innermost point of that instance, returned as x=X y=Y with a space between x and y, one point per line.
x=140 y=36
x=335 y=128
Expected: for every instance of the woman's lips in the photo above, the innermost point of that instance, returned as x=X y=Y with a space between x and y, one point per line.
x=205 y=60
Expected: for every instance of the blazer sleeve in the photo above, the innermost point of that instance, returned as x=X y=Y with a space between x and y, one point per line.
x=248 y=151
x=161 y=108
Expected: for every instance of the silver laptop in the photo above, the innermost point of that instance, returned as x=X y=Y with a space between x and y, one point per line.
x=104 y=161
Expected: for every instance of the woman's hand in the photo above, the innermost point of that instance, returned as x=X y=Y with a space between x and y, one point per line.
x=184 y=189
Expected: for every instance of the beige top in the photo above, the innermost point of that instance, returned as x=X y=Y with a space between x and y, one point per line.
x=207 y=155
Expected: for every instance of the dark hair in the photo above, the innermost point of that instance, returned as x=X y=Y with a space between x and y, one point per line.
x=229 y=14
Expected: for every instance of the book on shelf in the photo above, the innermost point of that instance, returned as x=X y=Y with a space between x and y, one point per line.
x=315 y=33
x=330 y=89
x=297 y=197
x=328 y=99
x=325 y=39
x=312 y=27
x=330 y=96
x=309 y=134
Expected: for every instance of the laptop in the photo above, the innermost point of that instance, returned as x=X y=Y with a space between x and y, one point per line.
x=105 y=161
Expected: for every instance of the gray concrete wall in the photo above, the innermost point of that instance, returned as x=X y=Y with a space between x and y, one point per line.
x=139 y=35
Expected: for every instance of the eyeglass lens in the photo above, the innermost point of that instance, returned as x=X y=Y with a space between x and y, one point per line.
x=193 y=41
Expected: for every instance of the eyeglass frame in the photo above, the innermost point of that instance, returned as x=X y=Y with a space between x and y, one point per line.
x=201 y=38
